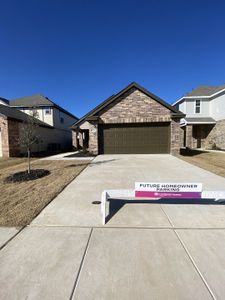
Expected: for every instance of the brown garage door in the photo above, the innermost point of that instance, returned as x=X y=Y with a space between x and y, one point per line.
x=134 y=138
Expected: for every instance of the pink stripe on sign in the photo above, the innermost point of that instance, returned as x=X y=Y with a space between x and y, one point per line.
x=187 y=195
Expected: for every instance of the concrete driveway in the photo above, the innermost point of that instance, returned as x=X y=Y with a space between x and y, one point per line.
x=146 y=251
x=73 y=207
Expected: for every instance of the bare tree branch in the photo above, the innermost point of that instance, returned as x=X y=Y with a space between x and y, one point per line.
x=29 y=135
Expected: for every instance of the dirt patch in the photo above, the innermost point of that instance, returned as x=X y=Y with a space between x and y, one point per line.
x=21 y=202
x=210 y=161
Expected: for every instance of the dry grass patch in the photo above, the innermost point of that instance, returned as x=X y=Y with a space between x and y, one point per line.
x=12 y=161
x=21 y=202
x=210 y=161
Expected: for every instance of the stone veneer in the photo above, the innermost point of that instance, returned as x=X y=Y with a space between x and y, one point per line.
x=216 y=136
x=211 y=136
x=93 y=136
x=133 y=107
x=190 y=141
x=10 y=137
x=4 y=136
x=177 y=136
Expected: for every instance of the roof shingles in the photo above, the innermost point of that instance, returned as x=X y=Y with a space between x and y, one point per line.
x=205 y=90
x=31 y=101
x=36 y=101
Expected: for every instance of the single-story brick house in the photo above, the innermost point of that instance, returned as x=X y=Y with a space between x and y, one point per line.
x=132 y=121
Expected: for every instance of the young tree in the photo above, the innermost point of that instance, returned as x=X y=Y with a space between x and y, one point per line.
x=28 y=135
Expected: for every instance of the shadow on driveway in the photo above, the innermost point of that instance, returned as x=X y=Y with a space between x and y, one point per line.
x=115 y=206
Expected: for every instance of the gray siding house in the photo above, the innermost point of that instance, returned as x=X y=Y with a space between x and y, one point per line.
x=204 y=124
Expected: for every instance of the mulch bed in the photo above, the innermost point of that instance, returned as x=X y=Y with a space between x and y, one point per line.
x=81 y=154
x=25 y=176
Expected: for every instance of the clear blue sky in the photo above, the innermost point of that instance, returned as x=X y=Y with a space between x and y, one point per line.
x=80 y=52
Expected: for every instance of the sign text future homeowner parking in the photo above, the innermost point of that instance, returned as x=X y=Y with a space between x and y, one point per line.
x=168 y=190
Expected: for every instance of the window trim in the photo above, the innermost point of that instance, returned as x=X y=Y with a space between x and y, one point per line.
x=48 y=109
x=199 y=106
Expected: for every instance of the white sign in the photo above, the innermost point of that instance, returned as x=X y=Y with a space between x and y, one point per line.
x=168 y=187
x=168 y=190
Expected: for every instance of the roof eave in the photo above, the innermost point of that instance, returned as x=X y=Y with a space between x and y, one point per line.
x=114 y=97
x=30 y=106
x=3 y=116
x=193 y=123
x=198 y=96
x=178 y=115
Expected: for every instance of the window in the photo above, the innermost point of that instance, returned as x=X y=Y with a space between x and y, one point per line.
x=197 y=106
x=48 y=111
x=61 y=120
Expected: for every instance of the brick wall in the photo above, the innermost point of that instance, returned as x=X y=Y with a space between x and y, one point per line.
x=136 y=107
x=216 y=136
x=10 y=137
x=133 y=107
x=93 y=136
x=189 y=136
x=177 y=136
x=4 y=136
x=14 y=146
x=208 y=135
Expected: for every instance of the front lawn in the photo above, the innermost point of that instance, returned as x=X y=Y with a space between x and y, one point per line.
x=12 y=161
x=21 y=202
x=210 y=161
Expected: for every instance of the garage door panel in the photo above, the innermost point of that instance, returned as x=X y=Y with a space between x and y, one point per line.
x=134 y=138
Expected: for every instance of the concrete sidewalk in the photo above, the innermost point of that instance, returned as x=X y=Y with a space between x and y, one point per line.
x=67 y=156
x=113 y=263
x=7 y=233
x=146 y=251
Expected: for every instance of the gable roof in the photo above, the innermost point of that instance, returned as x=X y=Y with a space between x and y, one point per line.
x=206 y=90
x=37 y=101
x=203 y=91
x=4 y=100
x=15 y=114
x=112 y=98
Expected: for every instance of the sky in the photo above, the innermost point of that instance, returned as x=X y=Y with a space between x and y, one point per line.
x=80 y=52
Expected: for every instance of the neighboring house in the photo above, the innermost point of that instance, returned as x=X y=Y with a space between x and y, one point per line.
x=11 y=122
x=132 y=121
x=204 y=124
x=4 y=101
x=54 y=125
x=47 y=110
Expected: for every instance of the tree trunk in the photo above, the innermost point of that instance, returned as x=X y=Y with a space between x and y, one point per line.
x=28 y=157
